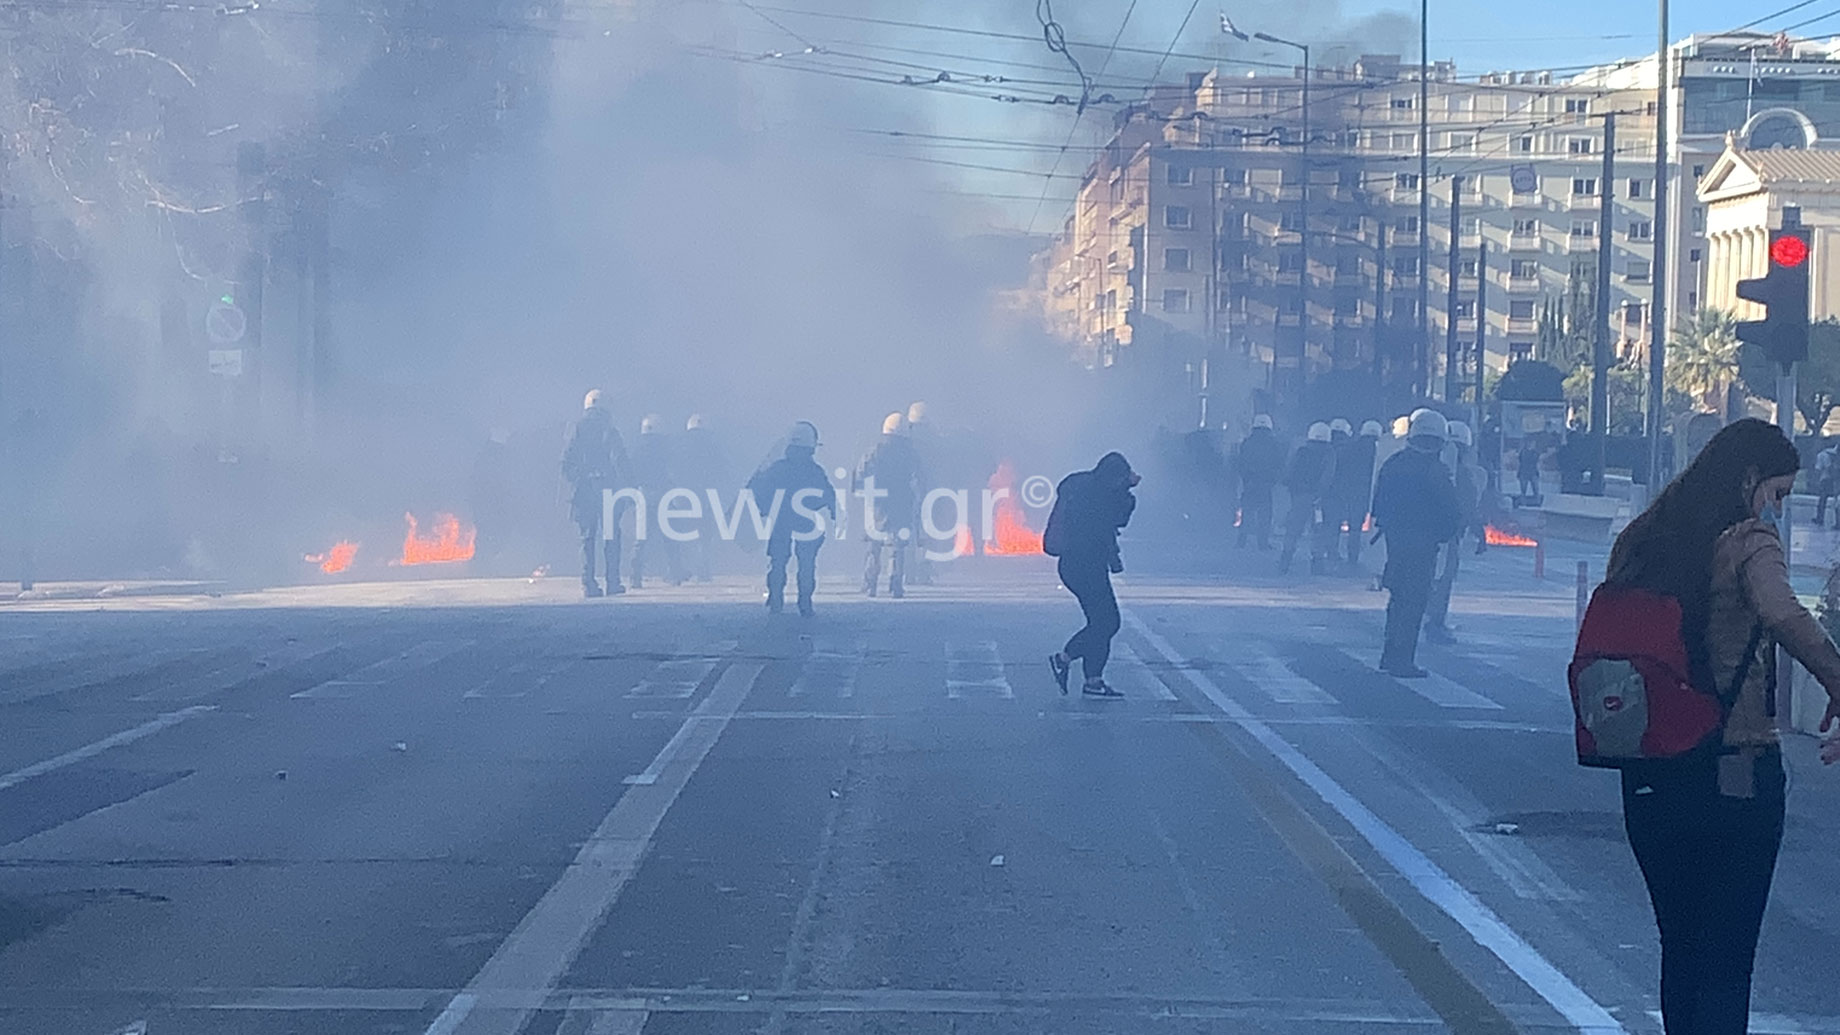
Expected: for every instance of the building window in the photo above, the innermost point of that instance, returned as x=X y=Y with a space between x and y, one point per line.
x=1471 y=226
x=1636 y=271
x=1632 y=314
x=1290 y=261
x=1466 y=310
x=1175 y=300
x=1111 y=260
x=1519 y=350
x=1699 y=219
x=1699 y=171
x=1177 y=217
x=1405 y=265
x=1584 y=228
x=1467 y=268
x=1293 y=305
x=1520 y=309
x=1290 y=221
x=1233 y=177
x=1585 y=269
x=1580 y=145
x=1577 y=105
x=1117 y=191
x=1641 y=230
x=1584 y=187
x=1404 y=103
x=1347 y=305
x=1638 y=189
x=1526 y=228
x=1524 y=269
x=1405 y=142
x=1693 y=255
x=1462 y=143
x=1111 y=300
x=1405 y=181
x=1405 y=308
x=1406 y=225
x=1524 y=145
x=1181 y=176
x=1175 y=260
x=1349 y=224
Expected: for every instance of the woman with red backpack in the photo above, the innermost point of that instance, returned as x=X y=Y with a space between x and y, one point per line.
x=1704 y=812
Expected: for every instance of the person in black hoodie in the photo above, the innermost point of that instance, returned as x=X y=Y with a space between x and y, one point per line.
x=1415 y=507
x=1089 y=509
x=1261 y=464
x=796 y=493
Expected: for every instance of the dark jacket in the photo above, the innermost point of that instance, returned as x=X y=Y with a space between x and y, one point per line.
x=1354 y=470
x=1415 y=507
x=1261 y=459
x=1312 y=471
x=594 y=460
x=1089 y=509
x=894 y=463
x=788 y=476
x=651 y=463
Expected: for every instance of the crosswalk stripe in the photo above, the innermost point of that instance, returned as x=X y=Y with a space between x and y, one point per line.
x=830 y=666
x=978 y=668
x=389 y=670
x=1447 y=693
x=677 y=680
x=1138 y=675
x=1279 y=682
x=520 y=680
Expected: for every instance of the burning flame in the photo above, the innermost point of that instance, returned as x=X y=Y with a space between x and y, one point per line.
x=1011 y=535
x=336 y=559
x=964 y=545
x=449 y=543
x=1497 y=537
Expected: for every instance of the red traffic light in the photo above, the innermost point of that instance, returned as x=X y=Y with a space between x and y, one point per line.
x=1788 y=250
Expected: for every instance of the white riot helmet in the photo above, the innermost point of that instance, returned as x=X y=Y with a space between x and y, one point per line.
x=1319 y=432
x=804 y=435
x=650 y=424
x=1428 y=424
x=592 y=401
x=697 y=422
x=1460 y=433
x=1402 y=426
x=1263 y=420
x=894 y=424
x=1341 y=427
x=1371 y=429
x=916 y=413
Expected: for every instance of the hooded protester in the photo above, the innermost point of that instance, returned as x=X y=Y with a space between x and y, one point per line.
x=1082 y=531
x=1311 y=474
x=593 y=465
x=1260 y=465
x=889 y=478
x=795 y=494
x=1415 y=508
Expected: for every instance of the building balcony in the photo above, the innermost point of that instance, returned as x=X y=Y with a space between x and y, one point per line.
x=1524 y=242
x=1586 y=202
x=1581 y=244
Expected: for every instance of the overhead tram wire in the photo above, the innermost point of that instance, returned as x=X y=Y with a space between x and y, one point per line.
x=1053 y=32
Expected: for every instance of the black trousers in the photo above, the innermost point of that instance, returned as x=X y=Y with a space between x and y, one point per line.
x=1708 y=860
x=777 y=556
x=1091 y=583
x=1405 y=613
x=1255 y=513
x=588 y=521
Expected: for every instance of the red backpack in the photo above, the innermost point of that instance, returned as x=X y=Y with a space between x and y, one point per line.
x=1633 y=698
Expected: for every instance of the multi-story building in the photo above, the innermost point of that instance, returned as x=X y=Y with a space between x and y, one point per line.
x=1185 y=244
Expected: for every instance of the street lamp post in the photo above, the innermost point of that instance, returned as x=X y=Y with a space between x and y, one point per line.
x=1303 y=216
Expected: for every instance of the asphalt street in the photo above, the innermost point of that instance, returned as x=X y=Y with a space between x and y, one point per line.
x=482 y=807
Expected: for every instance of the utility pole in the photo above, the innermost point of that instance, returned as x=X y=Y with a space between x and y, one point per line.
x=1600 y=346
x=1482 y=322
x=1380 y=333
x=1421 y=384
x=1452 y=373
x=1303 y=217
x=1658 y=324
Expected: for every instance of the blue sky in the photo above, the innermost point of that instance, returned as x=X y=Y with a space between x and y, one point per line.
x=1483 y=36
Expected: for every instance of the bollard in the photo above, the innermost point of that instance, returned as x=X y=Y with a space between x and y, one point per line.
x=1584 y=580
x=1539 y=559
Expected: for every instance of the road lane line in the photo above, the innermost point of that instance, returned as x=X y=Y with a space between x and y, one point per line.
x=1430 y=880
x=1447 y=693
x=385 y=672
x=539 y=952
x=87 y=751
x=1138 y=675
x=1279 y=682
x=976 y=667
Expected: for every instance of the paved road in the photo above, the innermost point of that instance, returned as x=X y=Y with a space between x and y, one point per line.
x=480 y=808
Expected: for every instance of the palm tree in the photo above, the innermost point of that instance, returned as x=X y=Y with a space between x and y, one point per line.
x=1702 y=360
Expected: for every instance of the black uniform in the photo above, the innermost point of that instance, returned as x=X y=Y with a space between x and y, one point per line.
x=1312 y=473
x=1352 y=492
x=1261 y=464
x=651 y=464
x=1415 y=506
x=892 y=523
x=798 y=482
x=1089 y=509
x=593 y=464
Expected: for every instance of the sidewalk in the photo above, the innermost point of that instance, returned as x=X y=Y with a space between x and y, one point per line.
x=10 y=591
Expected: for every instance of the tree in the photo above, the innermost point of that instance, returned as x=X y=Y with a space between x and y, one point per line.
x=1702 y=358
x=1568 y=323
x=1817 y=388
x=1627 y=386
x=1531 y=380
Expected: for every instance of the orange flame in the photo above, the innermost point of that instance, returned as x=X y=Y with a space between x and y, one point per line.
x=964 y=545
x=1011 y=535
x=336 y=559
x=1497 y=537
x=450 y=542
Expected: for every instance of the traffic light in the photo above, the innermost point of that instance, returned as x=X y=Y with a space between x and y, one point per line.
x=1783 y=293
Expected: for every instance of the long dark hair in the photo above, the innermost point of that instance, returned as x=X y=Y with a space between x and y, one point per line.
x=1669 y=547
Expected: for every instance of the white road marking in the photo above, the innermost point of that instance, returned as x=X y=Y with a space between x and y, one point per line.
x=1447 y=693
x=87 y=751
x=618 y=1022
x=1138 y=681
x=1430 y=880
x=831 y=666
x=387 y=671
x=678 y=680
x=227 y=677
x=500 y=685
x=1279 y=682
x=977 y=668
x=546 y=941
